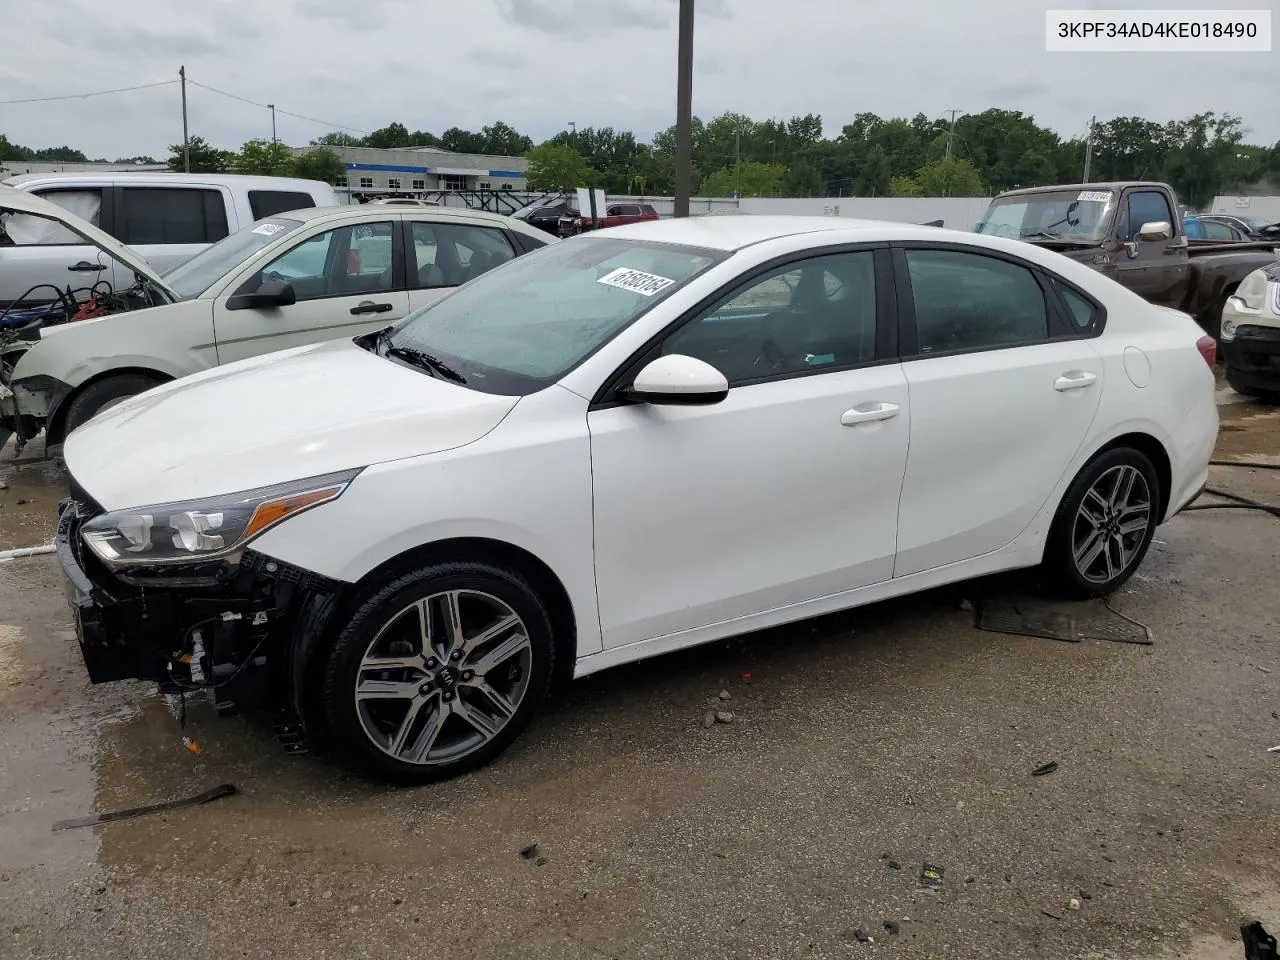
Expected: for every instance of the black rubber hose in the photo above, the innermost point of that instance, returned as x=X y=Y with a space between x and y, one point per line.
x=1237 y=503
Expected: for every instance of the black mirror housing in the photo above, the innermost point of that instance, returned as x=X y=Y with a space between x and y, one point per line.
x=270 y=294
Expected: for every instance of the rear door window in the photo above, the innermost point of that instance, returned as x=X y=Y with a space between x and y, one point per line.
x=23 y=229
x=268 y=203
x=171 y=215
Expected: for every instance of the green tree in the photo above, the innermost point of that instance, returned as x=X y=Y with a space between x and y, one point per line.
x=556 y=167
x=462 y=141
x=950 y=178
x=904 y=187
x=746 y=180
x=502 y=140
x=391 y=136
x=320 y=163
x=12 y=151
x=803 y=179
x=205 y=158
x=340 y=139
x=874 y=176
x=265 y=158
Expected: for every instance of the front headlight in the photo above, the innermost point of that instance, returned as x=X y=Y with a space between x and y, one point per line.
x=198 y=530
x=1252 y=292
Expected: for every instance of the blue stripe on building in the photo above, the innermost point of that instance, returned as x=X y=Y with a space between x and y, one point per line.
x=387 y=168
x=508 y=174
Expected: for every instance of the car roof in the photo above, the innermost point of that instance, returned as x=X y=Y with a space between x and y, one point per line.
x=1068 y=187
x=372 y=211
x=161 y=176
x=735 y=231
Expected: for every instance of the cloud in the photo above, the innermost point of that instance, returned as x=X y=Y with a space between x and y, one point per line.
x=539 y=63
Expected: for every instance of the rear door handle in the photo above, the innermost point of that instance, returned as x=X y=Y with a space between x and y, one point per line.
x=368 y=307
x=84 y=266
x=867 y=412
x=1075 y=380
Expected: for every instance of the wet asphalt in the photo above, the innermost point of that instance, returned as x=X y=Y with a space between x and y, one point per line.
x=863 y=746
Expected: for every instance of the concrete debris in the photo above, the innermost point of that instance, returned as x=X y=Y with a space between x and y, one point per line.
x=892 y=927
x=1073 y=904
x=709 y=720
x=530 y=852
x=725 y=695
x=724 y=716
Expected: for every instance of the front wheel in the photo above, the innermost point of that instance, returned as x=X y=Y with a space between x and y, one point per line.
x=438 y=671
x=103 y=395
x=1104 y=525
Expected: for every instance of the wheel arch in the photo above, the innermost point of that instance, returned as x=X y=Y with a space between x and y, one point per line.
x=1145 y=443
x=541 y=577
x=55 y=428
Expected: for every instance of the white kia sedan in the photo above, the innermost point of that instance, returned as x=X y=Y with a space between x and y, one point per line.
x=617 y=446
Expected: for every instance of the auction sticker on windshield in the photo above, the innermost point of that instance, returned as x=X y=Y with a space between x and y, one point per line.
x=1097 y=196
x=637 y=281
x=268 y=229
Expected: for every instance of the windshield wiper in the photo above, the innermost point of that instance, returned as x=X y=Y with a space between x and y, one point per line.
x=423 y=360
x=1046 y=235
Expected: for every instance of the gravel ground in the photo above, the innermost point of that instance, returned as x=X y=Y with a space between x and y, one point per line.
x=862 y=746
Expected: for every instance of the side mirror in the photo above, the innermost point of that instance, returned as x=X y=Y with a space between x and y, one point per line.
x=270 y=293
x=678 y=379
x=1156 y=230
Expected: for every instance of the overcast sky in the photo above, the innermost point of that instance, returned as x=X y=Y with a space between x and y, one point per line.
x=538 y=64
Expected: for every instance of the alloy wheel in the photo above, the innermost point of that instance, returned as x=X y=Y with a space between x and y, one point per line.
x=1111 y=524
x=443 y=676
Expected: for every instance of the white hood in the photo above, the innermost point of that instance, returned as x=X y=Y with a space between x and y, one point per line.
x=280 y=417
x=20 y=201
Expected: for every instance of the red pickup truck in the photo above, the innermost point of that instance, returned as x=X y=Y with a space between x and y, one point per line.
x=615 y=215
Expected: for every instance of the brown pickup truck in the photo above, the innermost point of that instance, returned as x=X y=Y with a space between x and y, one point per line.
x=1131 y=232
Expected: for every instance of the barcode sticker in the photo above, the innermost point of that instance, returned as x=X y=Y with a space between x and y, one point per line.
x=1095 y=196
x=268 y=229
x=637 y=281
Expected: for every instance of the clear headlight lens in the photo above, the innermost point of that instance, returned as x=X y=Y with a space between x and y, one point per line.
x=198 y=530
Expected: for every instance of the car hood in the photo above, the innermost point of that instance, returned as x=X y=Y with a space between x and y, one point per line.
x=284 y=416
x=20 y=201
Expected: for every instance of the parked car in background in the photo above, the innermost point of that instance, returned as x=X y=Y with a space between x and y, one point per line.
x=405 y=202
x=1251 y=335
x=615 y=215
x=1250 y=226
x=1203 y=228
x=1128 y=232
x=292 y=279
x=166 y=217
x=646 y=438
x=546 y=216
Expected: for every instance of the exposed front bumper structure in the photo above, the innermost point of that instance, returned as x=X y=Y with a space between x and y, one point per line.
x=1252 y=358
x=241 y=630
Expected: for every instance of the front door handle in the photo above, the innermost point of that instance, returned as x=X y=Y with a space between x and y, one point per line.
x=369 y=306
x=84 y=266
x=868 y=412
x=1075 y=380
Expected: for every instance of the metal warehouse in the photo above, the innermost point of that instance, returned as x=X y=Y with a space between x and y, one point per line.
x=415 y=170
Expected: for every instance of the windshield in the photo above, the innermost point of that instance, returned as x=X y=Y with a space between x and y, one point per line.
x=192 y=278
x=524 y=325
x=1082 y=215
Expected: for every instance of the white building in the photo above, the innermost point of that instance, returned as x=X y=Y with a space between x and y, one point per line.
x=12 y=168
x=418 y=170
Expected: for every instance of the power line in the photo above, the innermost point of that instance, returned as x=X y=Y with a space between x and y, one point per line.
x=267 y=106
x=95 y=93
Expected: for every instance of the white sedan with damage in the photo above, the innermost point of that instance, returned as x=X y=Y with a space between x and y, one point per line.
x=626 y=443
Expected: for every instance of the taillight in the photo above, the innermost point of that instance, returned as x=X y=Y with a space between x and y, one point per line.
x=1208 y=348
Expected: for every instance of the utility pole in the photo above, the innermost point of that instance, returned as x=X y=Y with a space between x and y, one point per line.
x=1088 y=149
x=684 y=111
x=951 y=134
x=273 y=121
x=737 y=162
x=186 y=145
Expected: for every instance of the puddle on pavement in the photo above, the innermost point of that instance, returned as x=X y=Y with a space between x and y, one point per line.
x=29 y=498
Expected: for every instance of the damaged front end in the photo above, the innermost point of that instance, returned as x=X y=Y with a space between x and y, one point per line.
x=239 y=628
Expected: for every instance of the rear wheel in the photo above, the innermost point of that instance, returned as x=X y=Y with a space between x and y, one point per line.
x=104 y=394
x=1104 y=525
x=438 y=671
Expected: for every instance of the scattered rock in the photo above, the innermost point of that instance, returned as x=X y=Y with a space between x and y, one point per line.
x=1085 y=896
x=725 y=695
x=353 y=909
x=892 y=927
x=970 y=879
x=397 y=901
x=541 y=862
x=1053 y=916
x=3 y=485
x=959 y=804
x=724 y=716
x=894 y=865
x=328 y=895
x=293 y=903
x=710 y=719
x=1073 y=904
x=861 y=936
x=530 y=852
x=22 y=502
x=1043 y=769
x=100 y=890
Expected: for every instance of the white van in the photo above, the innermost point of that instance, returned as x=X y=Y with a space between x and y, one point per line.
x=165 y=217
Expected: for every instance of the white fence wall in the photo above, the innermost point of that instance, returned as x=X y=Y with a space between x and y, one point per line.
x=958 y=213
x=1264 y=208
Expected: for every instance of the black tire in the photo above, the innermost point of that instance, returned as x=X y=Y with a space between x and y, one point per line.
x=1059 y=570
x=1263 y=396
x=343 y=721
x=89 y=401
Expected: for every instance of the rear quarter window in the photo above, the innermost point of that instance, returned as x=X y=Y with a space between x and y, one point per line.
x=268 y=203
